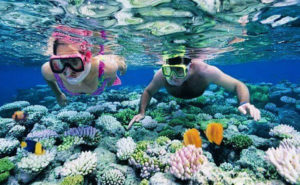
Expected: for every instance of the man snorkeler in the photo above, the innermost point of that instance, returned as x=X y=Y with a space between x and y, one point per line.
x=188 y=78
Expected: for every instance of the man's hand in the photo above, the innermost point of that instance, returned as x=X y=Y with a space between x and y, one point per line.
x=251 y=109
x=135 y=119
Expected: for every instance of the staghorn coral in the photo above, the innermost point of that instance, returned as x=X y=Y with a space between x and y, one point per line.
x=35 y=163
x=85 y=164
x=286 y=159
x=186 y=162
x=214 y=133
x=112 y=177
x=125 y=148
x=7 y=146
x=283 y=131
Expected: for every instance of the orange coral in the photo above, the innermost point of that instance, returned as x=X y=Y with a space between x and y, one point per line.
x=192 y=137
x=214 y=133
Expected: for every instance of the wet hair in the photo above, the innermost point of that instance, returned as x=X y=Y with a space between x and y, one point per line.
x=178 y=60
x=57 y=43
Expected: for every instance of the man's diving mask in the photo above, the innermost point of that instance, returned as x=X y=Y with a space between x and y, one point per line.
x=180 y=70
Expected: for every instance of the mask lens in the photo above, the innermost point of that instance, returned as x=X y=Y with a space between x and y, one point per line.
x=179 y=71
x=76 y=63
x=166 y=70
x=57 y=65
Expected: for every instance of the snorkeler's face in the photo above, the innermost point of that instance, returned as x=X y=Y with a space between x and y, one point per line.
x=176 y=76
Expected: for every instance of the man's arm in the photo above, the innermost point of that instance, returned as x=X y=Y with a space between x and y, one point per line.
x=215 y=75
x=150 y=90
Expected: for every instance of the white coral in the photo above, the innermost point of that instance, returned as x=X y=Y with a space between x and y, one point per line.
x=85 y=164
x=8 y=145
x=125 y=148
x=36 y=163
x=286 y=159
x=283 y=131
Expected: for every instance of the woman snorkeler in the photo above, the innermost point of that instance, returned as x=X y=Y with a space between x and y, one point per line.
x=72 y=69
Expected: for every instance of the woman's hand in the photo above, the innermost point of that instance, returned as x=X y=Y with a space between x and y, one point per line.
x=62 y=99
x=251 y=109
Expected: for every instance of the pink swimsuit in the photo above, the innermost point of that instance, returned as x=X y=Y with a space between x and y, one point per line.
x=101 y=85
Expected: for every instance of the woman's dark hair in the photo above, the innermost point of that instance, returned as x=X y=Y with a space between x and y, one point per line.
x=178 y=60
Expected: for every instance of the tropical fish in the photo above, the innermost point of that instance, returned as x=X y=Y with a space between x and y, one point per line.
x=19 y=116
x=214 y=133
x=236 y=40
x=192 y=137
x=33 y=147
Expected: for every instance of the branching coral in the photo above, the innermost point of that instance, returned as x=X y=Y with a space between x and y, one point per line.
x=283 y=131
x=112 y=177
x=125 y=148
x=36 y=163
x=286 y=159
x=85 y=164
x=186 y=162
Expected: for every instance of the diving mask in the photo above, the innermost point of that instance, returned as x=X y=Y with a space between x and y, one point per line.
x=180 y=70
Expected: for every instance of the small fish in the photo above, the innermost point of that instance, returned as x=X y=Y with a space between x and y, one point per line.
x=19 y=116
x=192 y=137
x=33 y=147
x=214 y=133
x=236 y=40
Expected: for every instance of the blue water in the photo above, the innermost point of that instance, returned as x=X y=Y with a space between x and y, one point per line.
x=23 y=77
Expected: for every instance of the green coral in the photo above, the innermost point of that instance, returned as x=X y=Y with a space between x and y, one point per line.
x=184 y=121
x=68 y=142
x=162 y=140
x=239 y=141
x=168 y=133
x=224 y=122
x=175 y=146
x=125 y=115
x=144 y=182
x=259 y=94
x=158 y=115
x=73 y=180
x=5 y=166
x=143 y=145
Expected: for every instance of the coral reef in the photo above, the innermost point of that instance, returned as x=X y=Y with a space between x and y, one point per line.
x=85 y=164
x=286 y=159
x=186 y=162
x=125 y=148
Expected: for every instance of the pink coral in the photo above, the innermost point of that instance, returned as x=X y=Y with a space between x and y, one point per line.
x=186 y=162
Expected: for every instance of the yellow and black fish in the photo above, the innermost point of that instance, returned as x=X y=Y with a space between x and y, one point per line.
x=33 y=146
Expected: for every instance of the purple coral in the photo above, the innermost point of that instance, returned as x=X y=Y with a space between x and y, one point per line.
x=186 y=162
x=42 y=134
x=82 y=132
